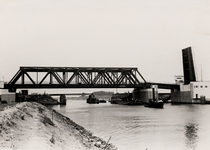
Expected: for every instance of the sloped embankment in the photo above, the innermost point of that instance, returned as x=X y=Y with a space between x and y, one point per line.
x=30 y=125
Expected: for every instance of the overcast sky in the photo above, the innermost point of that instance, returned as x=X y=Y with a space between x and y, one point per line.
x=147 y=34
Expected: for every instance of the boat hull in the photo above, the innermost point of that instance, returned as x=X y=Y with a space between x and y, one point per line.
x=121 y=102
x=155 y=104
x=133 y=103
x=102 y=101
x=92 y=101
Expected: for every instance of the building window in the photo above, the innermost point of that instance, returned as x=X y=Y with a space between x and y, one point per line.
x=206 y=86
x=201 y=86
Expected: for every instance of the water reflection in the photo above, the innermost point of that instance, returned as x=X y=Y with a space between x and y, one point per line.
x=191 y=134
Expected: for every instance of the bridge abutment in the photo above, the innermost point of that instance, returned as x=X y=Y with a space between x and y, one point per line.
x=7 y=96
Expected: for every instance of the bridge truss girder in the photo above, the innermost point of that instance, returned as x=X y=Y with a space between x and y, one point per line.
x=76 y=77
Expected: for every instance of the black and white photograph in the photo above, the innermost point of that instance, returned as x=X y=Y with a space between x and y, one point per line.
x=104 y=75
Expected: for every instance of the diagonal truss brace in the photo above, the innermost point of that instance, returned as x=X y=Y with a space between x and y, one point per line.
x=78 y=76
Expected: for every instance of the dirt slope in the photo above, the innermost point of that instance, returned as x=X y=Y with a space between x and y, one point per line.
x=33 y=126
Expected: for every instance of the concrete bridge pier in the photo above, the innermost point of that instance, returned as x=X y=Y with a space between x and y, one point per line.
x=62 y=99
x=136 y=94
x=145 y=94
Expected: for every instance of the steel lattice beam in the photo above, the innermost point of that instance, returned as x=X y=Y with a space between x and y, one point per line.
x=77 y=77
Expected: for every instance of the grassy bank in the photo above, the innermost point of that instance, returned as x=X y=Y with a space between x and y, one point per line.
x=29 y=125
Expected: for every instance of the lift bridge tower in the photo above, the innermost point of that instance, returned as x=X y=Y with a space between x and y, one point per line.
x=191 y=90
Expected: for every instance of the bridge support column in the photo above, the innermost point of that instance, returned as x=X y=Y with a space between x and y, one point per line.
x=62 y=99
x=24 y=92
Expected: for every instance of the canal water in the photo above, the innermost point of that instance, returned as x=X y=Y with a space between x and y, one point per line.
x=175 y=127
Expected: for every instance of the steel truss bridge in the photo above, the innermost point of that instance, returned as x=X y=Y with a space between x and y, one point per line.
x=79 y=77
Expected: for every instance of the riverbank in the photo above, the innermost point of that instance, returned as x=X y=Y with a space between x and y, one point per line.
x=30 y=125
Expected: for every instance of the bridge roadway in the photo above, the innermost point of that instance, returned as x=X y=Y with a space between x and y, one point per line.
x=83 y=94
x=80 y=77
x=57 y=94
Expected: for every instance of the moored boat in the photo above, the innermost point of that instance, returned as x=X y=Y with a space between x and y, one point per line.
x=124 y=99
x=116 y=101
x=134 y=102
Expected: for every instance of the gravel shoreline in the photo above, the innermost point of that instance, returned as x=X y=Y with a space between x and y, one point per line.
x=30 y=125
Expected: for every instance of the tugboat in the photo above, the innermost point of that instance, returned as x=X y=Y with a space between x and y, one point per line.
x=155 y=104
x=92 y=99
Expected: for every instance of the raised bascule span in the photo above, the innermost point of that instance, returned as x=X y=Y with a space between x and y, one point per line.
x=188 y=66
x=80 y=77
